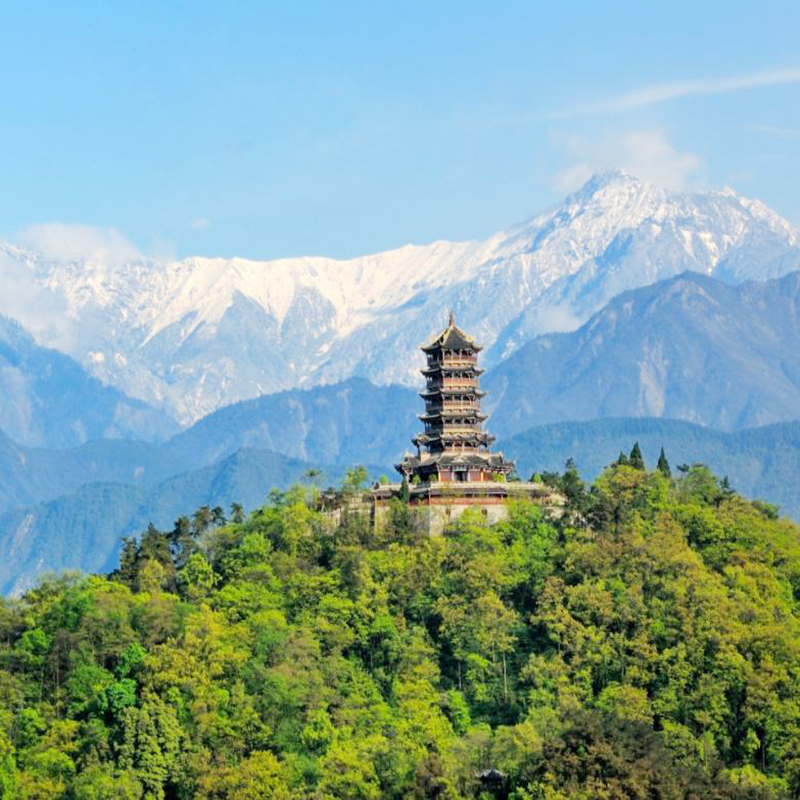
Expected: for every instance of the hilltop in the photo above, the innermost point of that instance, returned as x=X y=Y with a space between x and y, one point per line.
x=644 y=645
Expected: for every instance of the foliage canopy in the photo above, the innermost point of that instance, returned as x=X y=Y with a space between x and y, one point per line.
x=646 y=644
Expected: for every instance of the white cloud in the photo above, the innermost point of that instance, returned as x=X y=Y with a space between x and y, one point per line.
x=41 y=311
x=643 y=153
x=58 y=241
x=675 y=90
x=556 y=318
x=199 y=224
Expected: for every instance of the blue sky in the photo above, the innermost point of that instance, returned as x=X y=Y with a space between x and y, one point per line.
x=274 y=129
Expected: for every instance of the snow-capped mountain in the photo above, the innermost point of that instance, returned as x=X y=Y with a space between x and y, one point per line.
x=196 y=334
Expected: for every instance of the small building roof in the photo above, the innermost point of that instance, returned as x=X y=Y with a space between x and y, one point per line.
x=491 y=777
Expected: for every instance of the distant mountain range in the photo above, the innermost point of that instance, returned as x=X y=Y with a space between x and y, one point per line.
x=352 y=422
x=658 y=291
x=48 y=399
x=760 y=462
x=82 y=529
x=193 y=335
x=690 y=348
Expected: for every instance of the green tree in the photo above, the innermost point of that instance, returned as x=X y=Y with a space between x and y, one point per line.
x=663 y=465
x=354 y=479
x=635 y=459
x=260 y=776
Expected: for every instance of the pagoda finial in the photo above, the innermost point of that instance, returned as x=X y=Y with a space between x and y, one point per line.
x=452 y=318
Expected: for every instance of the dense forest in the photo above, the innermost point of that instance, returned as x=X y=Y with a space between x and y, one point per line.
x=644 y=644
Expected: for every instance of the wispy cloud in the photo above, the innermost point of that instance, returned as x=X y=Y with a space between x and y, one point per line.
x=63 y=242
x=664 y=92
x=644 y=153
x=41 y=310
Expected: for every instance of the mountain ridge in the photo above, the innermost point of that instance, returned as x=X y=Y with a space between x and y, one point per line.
x=168 y=332
x=83 y=529
x=690 y=347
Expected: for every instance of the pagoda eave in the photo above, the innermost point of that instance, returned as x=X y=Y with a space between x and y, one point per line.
x=433 y=416
x=479 y=440
x=428 y=393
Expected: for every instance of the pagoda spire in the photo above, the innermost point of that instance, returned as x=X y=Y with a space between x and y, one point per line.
x=452 y=319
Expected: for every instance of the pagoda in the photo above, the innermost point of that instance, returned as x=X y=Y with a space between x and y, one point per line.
x=454 y=468
x=453 y=447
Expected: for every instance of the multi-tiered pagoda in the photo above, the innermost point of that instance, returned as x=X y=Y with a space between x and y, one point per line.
x=454 y=447
x=454 y=469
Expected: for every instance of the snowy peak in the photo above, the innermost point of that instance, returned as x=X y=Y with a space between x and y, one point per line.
x=199 y=333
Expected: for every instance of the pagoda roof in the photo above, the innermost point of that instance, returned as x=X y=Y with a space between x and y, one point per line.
x=455 y=460
x=451 y=338
x=480 y=436
x=453 y=412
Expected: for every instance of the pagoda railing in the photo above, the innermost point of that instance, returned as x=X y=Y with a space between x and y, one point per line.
x=452 y=361
x=452 y=428
x=447 y=406
x=452 y=384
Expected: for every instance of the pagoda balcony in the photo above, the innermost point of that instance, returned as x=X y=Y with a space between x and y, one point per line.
x=437 y=362
x=459 y=386
x=461 y=363
x=452 y=408
x=444 y=368
x=472 y=391
x=459 y=393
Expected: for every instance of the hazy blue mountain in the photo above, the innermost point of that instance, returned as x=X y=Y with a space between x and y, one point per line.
x=344 y=423
x=48 y=399
x=82 y=530
x=691 y=348
x=761 y=462
x=352 y=422
x=31 y=475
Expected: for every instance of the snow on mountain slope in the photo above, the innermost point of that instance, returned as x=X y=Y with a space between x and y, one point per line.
x=195 y=334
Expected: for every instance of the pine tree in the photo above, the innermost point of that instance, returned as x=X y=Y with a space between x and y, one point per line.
x=635 y=459
x=128 y=563
x=405 y=492
x=572 y=486
x=622 y=460
x=663 y=465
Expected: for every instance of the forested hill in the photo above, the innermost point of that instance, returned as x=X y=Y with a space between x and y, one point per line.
x=644 y=645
